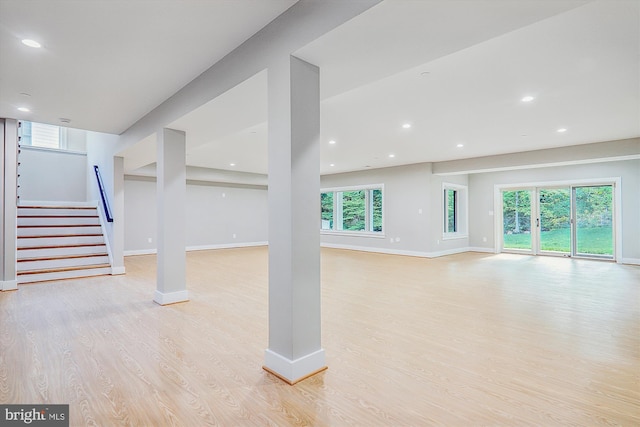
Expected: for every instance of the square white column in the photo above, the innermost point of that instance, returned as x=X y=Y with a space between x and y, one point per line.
x=117 y=249
x=171 y=196
x=295 y=350
x=8 y=213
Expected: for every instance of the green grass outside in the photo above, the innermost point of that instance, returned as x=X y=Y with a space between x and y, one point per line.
x=597 y=241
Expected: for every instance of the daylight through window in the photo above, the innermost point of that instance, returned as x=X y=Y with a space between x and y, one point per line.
x=356 y=210
x=42 y=135
x=454 y=212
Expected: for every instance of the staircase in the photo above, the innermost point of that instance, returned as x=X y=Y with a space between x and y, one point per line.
x=60 y=242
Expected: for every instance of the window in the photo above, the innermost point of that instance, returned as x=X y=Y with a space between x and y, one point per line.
x=42 y=135
x=454 y=211
x=451 y=208
x=326 y=203
x=352 y=210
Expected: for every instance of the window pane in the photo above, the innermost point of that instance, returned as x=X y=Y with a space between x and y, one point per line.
x=555 y=219
x=594 y=220
x=516 y=211
x=326 y=210
x=45 y=135
x=451 y=198
x=377 y=210
x=353 y=210
x=25 y=133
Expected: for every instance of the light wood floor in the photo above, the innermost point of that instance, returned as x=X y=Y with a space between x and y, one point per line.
x=470 y=339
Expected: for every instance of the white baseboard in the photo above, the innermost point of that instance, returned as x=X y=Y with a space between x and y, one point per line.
x=226 y=246
x=198 y=248
x=117 y=270
x=483 y=250
x=448 y=252
x=376 y=250
x=397 y=251
x=632 y=261
x=171 y=297
x=8 y=285
x=294 y=370
x=140 y=252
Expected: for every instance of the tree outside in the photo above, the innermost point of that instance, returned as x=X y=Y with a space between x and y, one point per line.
x=594 y=219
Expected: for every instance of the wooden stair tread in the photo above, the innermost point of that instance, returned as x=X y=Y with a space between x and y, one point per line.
x=59 y=257
x=58 y=216
x=60 y=235
x=62 y=246
x=61 y=269
x=56 y=207
x=62 y=257
x=58 y=225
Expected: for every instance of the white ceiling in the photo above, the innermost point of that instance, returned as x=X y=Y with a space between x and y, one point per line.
x=455 y=70
x=106 y=63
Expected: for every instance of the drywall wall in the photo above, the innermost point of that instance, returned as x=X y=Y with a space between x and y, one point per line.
x=76 y=139
x=481 y=197
x=437 y=244
x=216 y=216
x=99 y=146
x=412 y=209
x=52 y=175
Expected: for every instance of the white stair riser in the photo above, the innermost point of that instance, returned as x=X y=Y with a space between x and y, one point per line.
x=49 y=252
x=58 y=241
x=60 y=263
x=60 y=275
x=55 y=211
x=58 y=231
x=58 y=221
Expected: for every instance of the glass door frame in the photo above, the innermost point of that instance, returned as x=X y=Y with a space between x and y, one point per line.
x=497 y=213
x=538 y=229
x=574 y=223
x=532 y=226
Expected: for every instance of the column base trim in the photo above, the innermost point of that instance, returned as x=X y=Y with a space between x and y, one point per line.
x=8 y=285
x=117 y=271
x=170 y=298
x=275 y=374
x=294 y=371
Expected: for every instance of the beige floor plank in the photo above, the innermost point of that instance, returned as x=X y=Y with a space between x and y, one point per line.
x=470 y=339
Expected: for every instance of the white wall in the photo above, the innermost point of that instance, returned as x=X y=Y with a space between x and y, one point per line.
x=52 y=175
x=214 y=214
x=76 y=139
x=413 y=211
x=99 y=147
x=481 y=197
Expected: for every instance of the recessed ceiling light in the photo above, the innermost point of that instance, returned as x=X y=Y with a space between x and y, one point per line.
x=24 y=94
x=31 y=43
x=460 y=145
x=64 y=120
x=392 y=155
x=232 y=164
x=333 y=141
x=527 y=98
x=332 y=164
x=406 y=125
x=23 y=109
x=425 y=73
x=561 y=130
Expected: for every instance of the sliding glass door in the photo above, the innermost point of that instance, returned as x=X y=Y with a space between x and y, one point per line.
x=516 y=220
x=593 y=221
x=563 y=221
x=554 y=223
